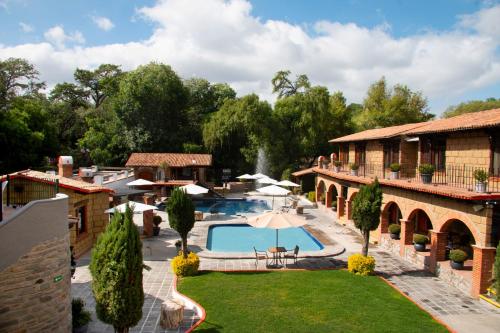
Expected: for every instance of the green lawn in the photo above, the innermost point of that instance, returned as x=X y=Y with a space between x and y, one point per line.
x=303 y=301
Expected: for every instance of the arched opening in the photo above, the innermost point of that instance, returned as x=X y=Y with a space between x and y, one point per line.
x=392 y=213
x=459 y=236
x=421 y=222
x=320 y=192
x=331 y=197
x=349 y=205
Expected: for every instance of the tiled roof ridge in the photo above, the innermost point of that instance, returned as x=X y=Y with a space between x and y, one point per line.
x=172 y=159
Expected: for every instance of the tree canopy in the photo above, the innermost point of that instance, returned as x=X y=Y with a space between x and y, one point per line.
x=472 y=106
x=180 y=209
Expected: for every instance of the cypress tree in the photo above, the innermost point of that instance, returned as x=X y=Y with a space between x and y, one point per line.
x=366 y=211
x=116 y=267
x=180 y=209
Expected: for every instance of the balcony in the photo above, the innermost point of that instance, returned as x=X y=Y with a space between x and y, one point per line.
x=456 y=179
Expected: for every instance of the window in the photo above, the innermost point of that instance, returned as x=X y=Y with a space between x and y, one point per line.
x=81 y=215
x=344 y=153
x=433 y=151
x=495 y=155
x=391 y=153
x=186 y=172
x=360 y=153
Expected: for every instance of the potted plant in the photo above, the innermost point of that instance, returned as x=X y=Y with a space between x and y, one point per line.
x=394 y=230
x=336 y=166
x=80 y=316
x=419 y=242
x=457 y=258
x=156 y=221
x=480 y=176
x=426 y=172
x=354 y=169
x=395 y=167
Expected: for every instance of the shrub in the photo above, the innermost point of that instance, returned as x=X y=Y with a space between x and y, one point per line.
x=458 y=255
x=311 y=196
x=80 y=316
x=337 y=163
x=395 y=167
x=480 y=176
x=394 y=228
x=156 y=220
x=185 y=266
x=360 y=264
x=180 y=209
x=496 y=273
x=354 y=166
x=426 y=169
x=420 y=239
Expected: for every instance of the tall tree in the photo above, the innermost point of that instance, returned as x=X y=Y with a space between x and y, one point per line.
x=180 y=209
x=284 y=86
x=472 y=106
x=17 y=77
x=71 y=94
x=99 y=83
x=116 y=267
x=366 y=211
x=153 y=100
x=385 y=107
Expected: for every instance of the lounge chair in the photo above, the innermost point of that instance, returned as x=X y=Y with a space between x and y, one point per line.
x=260 y=255
x=291 y=254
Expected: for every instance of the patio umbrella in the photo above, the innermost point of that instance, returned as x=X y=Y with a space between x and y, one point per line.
x=276 y=220
x=140 y=182
x=194 y=189
x=137 y=207
x=273 y=190
x=259 y=175
x=267 y=180
x=246 y=176
x=287 y=183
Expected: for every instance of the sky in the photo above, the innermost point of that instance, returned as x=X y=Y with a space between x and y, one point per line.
x=447 y=49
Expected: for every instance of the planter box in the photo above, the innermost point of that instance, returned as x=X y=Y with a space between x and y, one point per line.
x=419 y=247
x=394 y=175
x=481 y=187
x=456 y=265
x=426 y=178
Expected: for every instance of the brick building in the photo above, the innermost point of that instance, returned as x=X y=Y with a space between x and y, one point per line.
x=449 y=209
x=86 y=201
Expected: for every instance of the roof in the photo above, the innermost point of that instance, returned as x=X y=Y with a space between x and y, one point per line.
x=176 y=160
x=379 y=133
x=302 y=172
x=467 y=121
x=64 y=182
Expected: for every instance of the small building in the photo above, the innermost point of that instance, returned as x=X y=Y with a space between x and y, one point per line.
x=86 y=201
x=170 y=169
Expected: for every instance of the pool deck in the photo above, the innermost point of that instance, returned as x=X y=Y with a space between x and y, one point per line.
x=199 y=237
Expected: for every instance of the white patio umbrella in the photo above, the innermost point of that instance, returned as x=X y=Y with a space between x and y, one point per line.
x=246 y=176
x=140 y=182
x=260 y=175
x=267 y=180
x=276 y=220
x=287 y=183
x=273 y=190
x=194 y=189
x=137 y=207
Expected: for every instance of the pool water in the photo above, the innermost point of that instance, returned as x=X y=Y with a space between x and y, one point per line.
x=231 y=206
x=242 y=238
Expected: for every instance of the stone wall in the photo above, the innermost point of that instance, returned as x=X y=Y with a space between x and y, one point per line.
x=472 y=149
x=35 y=269
x=374 y=153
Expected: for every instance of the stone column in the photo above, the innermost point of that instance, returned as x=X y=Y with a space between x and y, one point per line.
x=482 y=269
x=349 y=209
x=407 y=227
x=383 y=226
x=328 y=200
x=438 y=248
x=340 y=207
x=147 y=223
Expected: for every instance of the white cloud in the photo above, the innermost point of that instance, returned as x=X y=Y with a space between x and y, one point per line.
x=223 y=42
x=58 y=37
x=103 y=23
x=25 y=27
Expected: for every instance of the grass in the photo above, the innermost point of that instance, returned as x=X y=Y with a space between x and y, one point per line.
x=303 y=301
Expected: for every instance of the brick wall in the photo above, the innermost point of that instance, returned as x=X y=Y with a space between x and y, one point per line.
x=374 y=153
x=468 y=148
x=352 y=153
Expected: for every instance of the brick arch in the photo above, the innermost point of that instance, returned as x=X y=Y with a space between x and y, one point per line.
x=330 y=195
x=423 y=207
x=337 y=187
x=433 y=221
x=321 y=184
x=353 y=195
x=385 y=209
x=454 y=216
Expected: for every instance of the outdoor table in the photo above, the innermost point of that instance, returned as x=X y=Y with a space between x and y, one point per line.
x=277 y=255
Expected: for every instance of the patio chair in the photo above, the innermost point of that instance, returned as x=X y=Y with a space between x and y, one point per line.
x=291 y=254
x=260 y=255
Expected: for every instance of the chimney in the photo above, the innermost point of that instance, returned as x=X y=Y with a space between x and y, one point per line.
x=65 y=165
x=321 y=159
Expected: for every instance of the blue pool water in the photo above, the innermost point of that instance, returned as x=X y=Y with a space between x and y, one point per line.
x=232 y=206
x=242 y=238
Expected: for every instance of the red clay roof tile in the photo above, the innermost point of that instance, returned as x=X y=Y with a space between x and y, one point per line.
x=176 y=160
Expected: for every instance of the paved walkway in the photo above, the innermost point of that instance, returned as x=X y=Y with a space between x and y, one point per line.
x=459 y=311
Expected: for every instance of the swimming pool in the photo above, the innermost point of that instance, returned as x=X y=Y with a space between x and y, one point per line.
x=231 y=206
x=242 y=238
